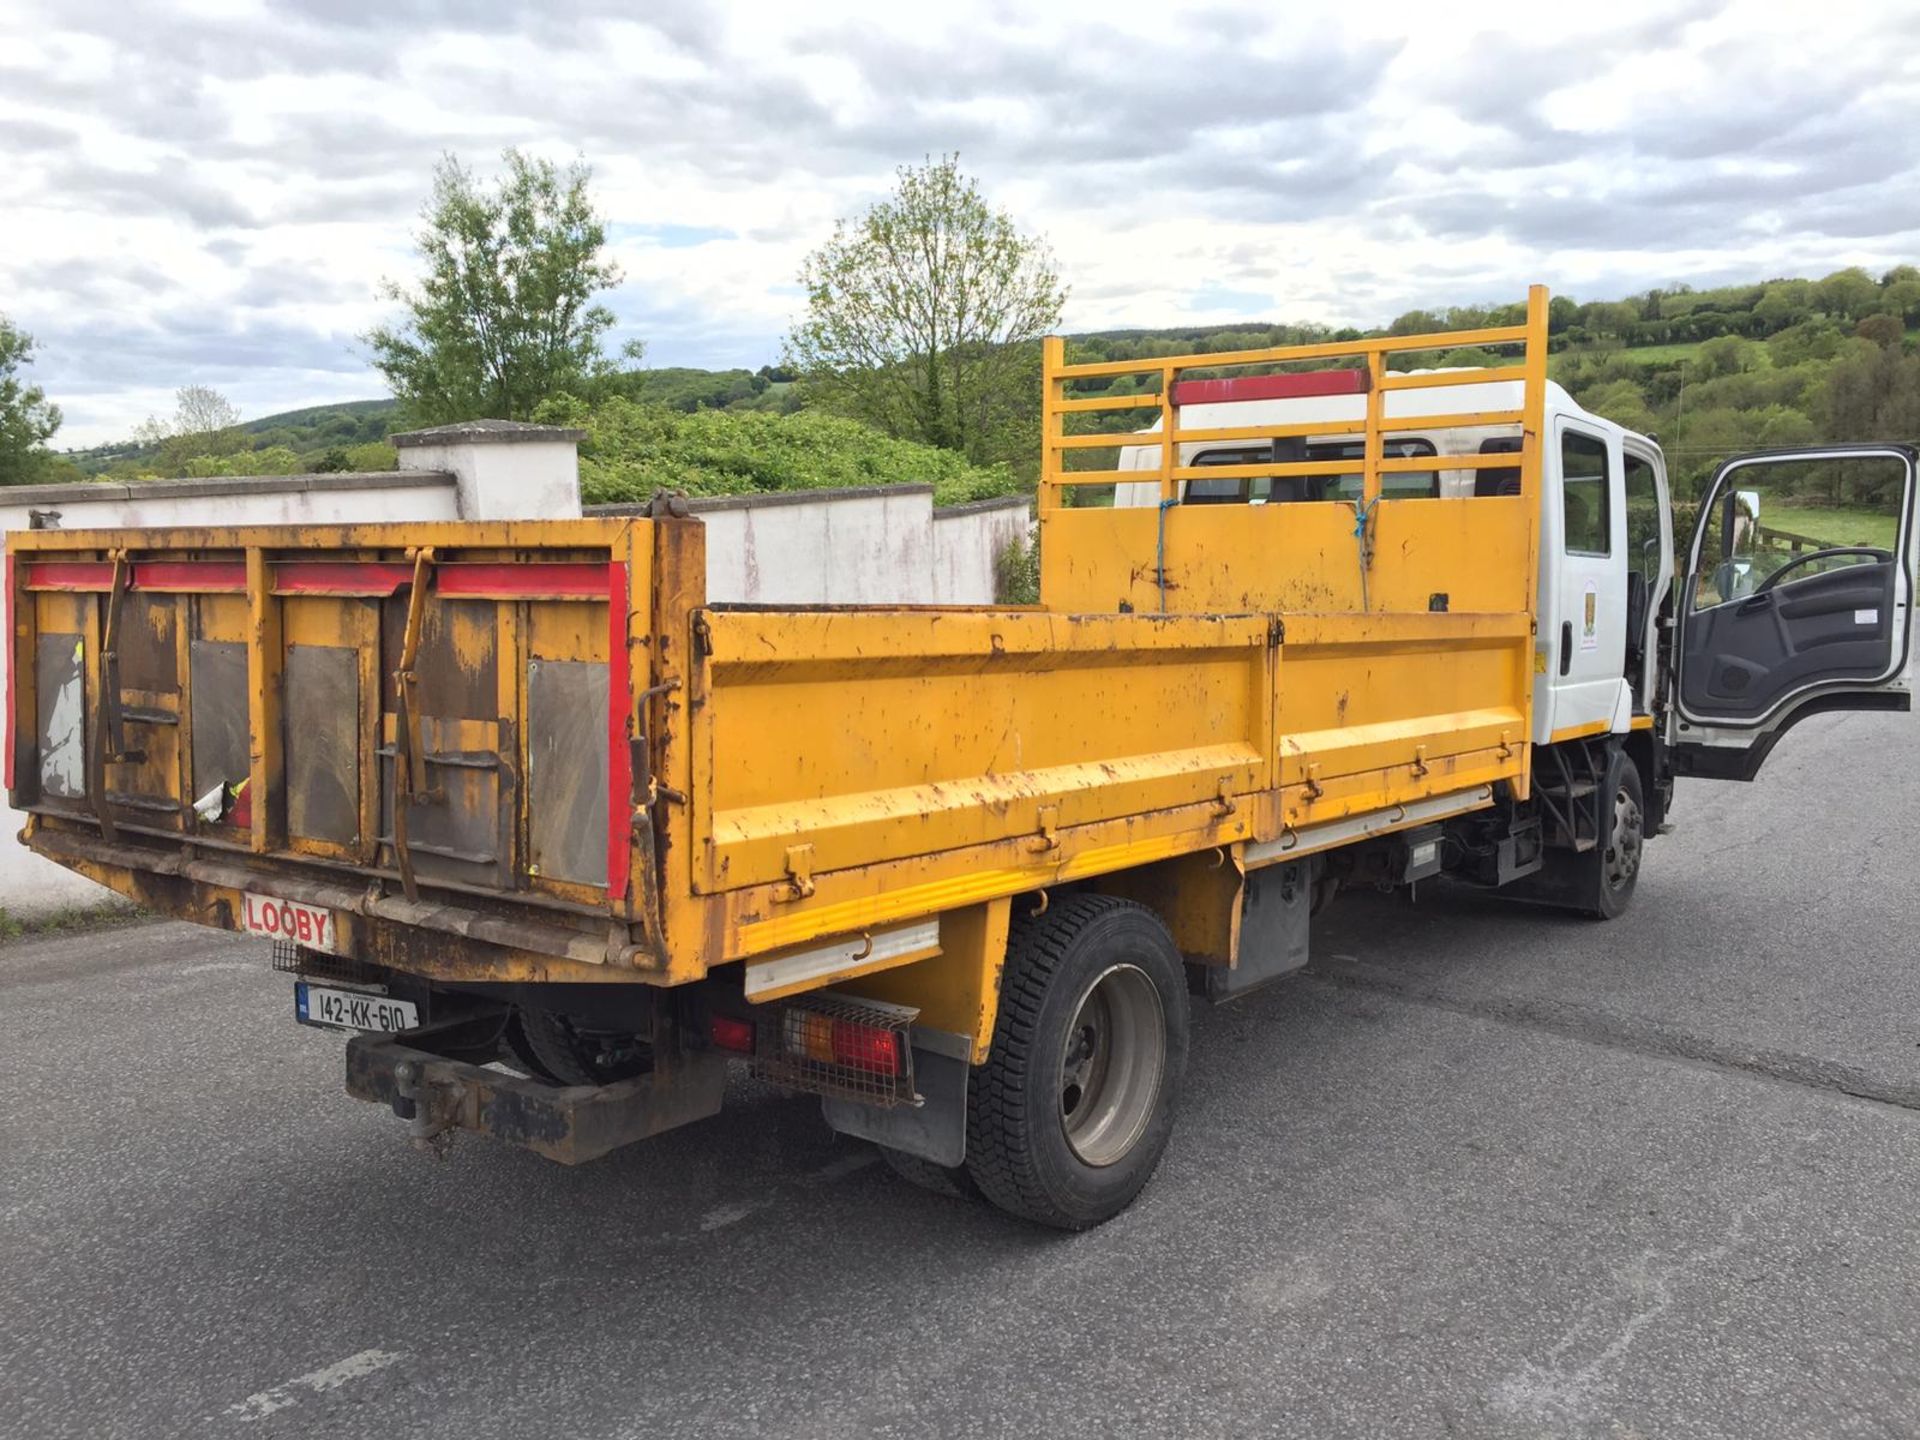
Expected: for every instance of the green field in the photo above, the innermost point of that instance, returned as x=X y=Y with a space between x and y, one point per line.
x=1662 y=354
x=1834 y=525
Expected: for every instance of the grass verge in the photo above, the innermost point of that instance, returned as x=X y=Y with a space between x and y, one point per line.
x=69 y=920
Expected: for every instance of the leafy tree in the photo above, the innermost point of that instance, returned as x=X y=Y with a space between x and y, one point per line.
x=202 y=410
x=1872 y=393
x=1622 y=402
x=1881 y=329
x=1784 y=303
x=1902 y=298
x=27 y=418
x=1727 y=355
x=922 y=317
x=1814 y=339
x=204 y=427
x=1847 y=294
x=505 y=316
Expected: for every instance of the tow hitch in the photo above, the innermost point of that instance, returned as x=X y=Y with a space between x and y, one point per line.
x=436 y=1095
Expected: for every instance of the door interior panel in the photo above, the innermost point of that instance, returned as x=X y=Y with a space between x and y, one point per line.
x=1744 y=656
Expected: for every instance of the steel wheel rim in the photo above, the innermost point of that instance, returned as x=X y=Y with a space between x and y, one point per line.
x=1623 y=847
x=1115 y=1054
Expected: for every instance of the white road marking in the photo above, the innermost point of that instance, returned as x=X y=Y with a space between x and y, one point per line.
x=327 y=1377
x=722 y=1216
x=734 y=1211
x=202 y=968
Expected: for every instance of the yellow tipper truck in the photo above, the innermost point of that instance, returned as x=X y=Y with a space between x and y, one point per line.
x=516 y=792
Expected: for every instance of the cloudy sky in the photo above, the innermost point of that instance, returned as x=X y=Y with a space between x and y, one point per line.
x=209 y=191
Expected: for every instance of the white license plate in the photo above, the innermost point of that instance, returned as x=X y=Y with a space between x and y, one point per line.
x=309 y=925
x=352 y=1009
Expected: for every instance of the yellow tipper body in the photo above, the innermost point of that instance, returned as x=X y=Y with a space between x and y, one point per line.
x=533 y=752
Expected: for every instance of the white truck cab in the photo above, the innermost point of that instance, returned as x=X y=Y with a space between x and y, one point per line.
x=1792 y=593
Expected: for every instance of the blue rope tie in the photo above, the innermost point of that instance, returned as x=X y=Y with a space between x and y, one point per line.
x=1160 y=556
x=1362 y=512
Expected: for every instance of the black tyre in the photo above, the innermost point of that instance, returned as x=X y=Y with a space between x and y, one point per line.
x=574 y=1054
x=519 y=1049
x=1069 y=1116
x=1623 y=825
x=949 y=1180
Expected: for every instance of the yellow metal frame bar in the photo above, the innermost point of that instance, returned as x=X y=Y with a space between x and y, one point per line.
x=1057 y=404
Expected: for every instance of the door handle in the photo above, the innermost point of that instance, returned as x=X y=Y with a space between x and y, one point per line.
x=1566 y=646
x=1760 y=600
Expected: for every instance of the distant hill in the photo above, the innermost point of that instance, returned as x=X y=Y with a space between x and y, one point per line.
x=1773 y=362
x=313 y=416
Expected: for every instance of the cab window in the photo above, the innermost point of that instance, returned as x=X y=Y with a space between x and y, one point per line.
x=1643 y=520
x=1583 y=488
x=1414 y=485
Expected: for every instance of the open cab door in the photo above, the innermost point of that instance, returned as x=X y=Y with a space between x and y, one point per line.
x=1798 y=599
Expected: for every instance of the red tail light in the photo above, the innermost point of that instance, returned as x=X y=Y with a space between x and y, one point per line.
x=731 y=1034
x=866 y=1048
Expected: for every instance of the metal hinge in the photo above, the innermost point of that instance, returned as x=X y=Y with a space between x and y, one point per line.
x=1048 y=837
x=799 y=883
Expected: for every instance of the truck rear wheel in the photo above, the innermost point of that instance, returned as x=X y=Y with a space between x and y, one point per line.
x=573 y=1054
x=1069 y=1116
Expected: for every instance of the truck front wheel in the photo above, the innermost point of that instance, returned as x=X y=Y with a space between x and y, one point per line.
x=1068 y=1118
x=1623 y=821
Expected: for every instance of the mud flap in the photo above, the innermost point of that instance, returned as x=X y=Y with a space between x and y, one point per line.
x=1273 y=931
x=935 y=1128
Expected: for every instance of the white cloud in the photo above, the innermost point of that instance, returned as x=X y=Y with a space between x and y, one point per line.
x=211 y=192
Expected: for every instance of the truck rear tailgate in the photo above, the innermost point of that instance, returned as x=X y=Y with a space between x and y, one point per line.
x=449 y=710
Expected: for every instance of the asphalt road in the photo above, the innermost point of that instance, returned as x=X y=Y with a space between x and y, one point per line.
x=1481 y=1171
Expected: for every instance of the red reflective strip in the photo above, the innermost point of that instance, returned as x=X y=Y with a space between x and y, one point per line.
x=70 y=575
x=555 y=580
x=194 y=576
x=619 y=764
x=1270 y=387
x=549 y=579
x=339 y=577
x=13 y=691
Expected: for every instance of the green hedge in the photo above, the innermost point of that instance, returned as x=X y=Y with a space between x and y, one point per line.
x=633 y=450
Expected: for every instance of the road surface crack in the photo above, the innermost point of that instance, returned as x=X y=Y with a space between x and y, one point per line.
x=1632 y=1034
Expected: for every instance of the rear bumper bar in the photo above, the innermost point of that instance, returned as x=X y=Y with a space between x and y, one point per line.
x=568 y=1123
x=439 y=940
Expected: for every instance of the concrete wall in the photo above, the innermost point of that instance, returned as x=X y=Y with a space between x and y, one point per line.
x=503 y=470
x=269 y=500
x=861 y=546
x=856 y=546
x=968 y=541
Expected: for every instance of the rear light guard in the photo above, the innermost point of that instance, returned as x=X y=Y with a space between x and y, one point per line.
x=827 y=1044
